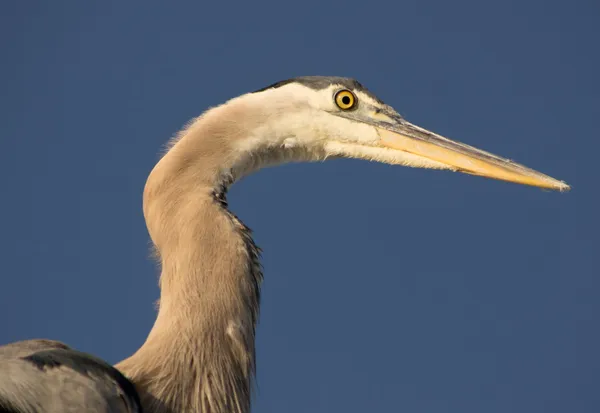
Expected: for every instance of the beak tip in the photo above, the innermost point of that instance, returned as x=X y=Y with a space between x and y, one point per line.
x=564 y=187
x=556 y=185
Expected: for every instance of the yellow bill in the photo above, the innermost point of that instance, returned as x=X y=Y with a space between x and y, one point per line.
x=460 y=157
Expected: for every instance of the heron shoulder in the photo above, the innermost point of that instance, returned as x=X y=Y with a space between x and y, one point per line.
x=42 y=373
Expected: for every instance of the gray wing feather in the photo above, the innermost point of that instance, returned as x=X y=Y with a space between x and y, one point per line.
x=47 y=376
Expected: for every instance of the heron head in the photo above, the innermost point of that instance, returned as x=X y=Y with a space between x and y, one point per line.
x=317 y=117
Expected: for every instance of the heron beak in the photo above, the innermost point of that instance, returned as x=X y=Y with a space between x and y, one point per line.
x=396 y=133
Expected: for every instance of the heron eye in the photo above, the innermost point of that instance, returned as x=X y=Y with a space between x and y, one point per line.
x=345 y=99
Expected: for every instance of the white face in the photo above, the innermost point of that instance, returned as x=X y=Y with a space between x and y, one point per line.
x=310 y=114
x=321 y=122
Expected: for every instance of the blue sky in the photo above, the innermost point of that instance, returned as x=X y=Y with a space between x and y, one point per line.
x=386 y=288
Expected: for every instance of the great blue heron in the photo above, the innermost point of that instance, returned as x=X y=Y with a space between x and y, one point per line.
x=200 y=356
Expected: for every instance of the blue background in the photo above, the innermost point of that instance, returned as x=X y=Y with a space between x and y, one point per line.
x=386 y=288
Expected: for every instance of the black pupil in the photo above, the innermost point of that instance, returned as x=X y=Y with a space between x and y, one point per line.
x=346 y=100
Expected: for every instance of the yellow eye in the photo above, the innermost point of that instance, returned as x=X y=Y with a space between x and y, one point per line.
x=345 y=99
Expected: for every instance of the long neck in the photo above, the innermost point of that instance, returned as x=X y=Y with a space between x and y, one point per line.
x=199 y=356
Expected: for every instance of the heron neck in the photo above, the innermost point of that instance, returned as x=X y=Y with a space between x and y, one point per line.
x=199 y=356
